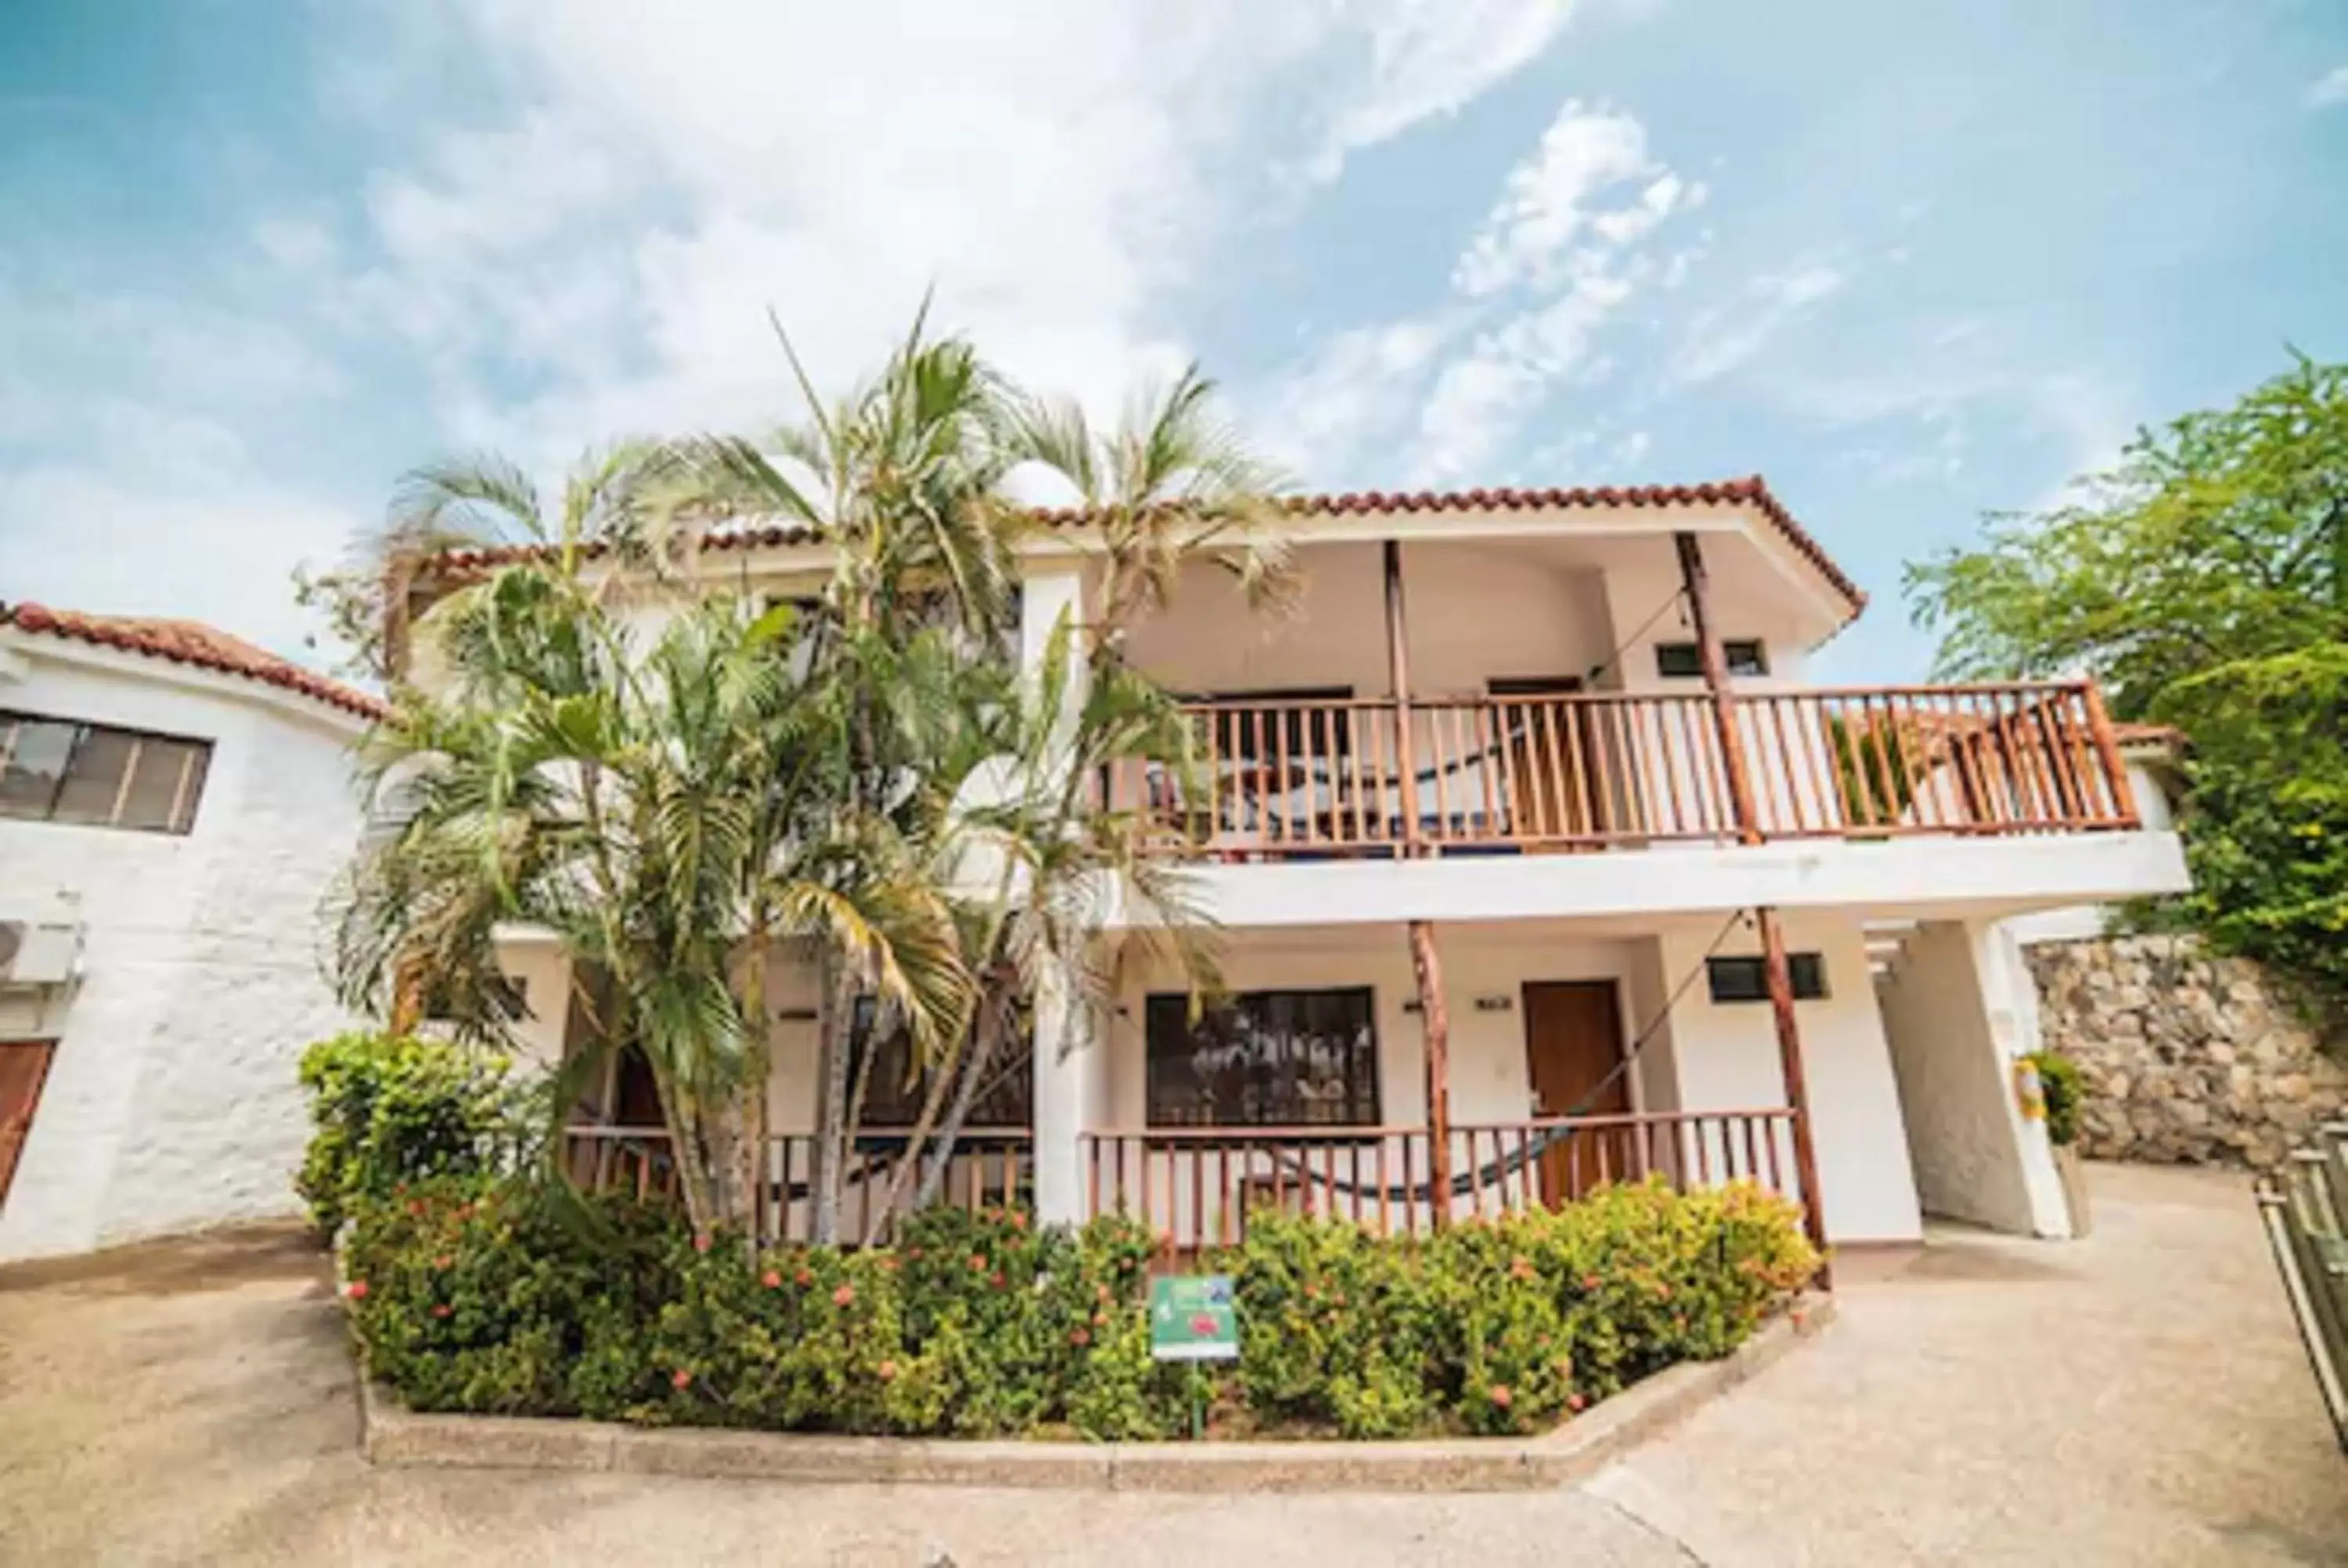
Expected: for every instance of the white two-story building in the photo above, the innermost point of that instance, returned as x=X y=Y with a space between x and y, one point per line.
x=1541 y=861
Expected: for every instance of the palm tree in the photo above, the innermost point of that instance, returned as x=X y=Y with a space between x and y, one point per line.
x=620 y=799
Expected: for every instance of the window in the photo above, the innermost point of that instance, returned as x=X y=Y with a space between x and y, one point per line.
x=60 y=770
x=1265 y=1058
x=894 y=1092
x=1684 y=661
x=1748 y=979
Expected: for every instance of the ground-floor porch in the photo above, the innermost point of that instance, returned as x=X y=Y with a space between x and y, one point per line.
x=1573 y=1053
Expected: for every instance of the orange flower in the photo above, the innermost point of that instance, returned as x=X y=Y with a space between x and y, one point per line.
x=771 y=1280
x=1500 y=1397
x=440 y=1309
x=1574 y=1402
x=843 y=1295
x=1080 y=1336
x=681 y=1379
x=356 y=1290
x=701 y=1242
x=1521 y=1268
x=803 y=1280
x=887 y=1371
x=443 y=1261
x=977 y=1263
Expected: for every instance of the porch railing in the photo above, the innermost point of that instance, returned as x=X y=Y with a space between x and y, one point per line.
x=1196 y=1186
x=1599 y=770
x=989 y=1167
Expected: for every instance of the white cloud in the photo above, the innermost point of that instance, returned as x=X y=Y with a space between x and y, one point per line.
x=1481 y=398
x=1058 y=171
x=1546 y=204
x=1356 y=385
x=1428 y=59
x=1723 y=339
x=2328 y=90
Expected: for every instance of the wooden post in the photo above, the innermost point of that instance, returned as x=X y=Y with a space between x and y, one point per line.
x=1427 y=964
x=1698 y=584
x=1398 y=684
x=1780 y=977
x=2107 y=747
x=1435 y=1019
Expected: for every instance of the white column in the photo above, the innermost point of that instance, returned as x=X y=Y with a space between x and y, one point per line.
x=1069 y=1064
x=1064 y=1054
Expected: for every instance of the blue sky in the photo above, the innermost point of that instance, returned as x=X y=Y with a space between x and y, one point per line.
x=1912 y=261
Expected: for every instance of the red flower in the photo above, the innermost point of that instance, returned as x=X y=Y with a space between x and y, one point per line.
x=977 y=1263
x=1101 y=1293
x=1521 y=1268
x=1101 y=1319
x=444 y=1261
x=1500 y=1397
x=888 y=1371
x=681 y=1379
x=843 y=1295
x=803 y=1280
x=914 y=1252
x=356 y=1290
x=771 y=1280
x=1663 y=1292
x=415 y=1207
x=997 y=1280
x=1080 y=1336
x=701 y=1243
x=1018 y=1220
x=440 y=1309
x=1574 y=1402
x=1588 y=1281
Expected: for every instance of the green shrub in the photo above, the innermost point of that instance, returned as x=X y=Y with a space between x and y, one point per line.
x=2059 y=1082
x=471 y=1295
x=511 y=1297
x=386 y=1110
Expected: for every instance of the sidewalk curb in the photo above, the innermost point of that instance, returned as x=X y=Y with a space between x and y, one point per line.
x=396 y=1438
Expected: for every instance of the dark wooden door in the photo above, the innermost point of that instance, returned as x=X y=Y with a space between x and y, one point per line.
x=1573 y=1047
x=24 y=1067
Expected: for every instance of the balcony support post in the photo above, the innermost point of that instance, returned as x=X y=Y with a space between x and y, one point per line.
x=1398 y=685
x=1697 y=584
x=1435 y=1020
x=1425 y=962
x=1779 y=976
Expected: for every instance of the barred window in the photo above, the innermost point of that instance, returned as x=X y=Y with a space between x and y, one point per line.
x=62 y=770
x=1748 y=979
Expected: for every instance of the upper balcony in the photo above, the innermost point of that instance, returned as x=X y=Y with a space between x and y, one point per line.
x=1319 y=779
x=1498 y=686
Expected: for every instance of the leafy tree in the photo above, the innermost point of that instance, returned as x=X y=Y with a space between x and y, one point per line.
x=2205 y=580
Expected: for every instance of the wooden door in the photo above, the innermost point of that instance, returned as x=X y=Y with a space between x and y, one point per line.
x=1573 y=1055
x=24 y=1067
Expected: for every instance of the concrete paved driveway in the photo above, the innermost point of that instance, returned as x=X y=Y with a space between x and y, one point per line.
x=2139 y=1398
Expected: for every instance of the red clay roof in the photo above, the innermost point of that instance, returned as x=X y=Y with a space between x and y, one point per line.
x=189 y=642
x=1752 y=490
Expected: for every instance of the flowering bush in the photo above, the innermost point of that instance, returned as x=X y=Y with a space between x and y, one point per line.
x=1503 y=1326
x=521 y=1299
x=386 y=1110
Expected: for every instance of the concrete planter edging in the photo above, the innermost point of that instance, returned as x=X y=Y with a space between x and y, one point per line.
x=395 y=1437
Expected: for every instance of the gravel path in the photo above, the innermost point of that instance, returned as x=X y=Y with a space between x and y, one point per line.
x=2137 y=1398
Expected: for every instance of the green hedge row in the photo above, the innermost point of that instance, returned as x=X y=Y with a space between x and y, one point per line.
x=521 y=1299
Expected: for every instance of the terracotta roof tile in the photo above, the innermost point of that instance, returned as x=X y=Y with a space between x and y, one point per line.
x=1752 y=490
x=189 y=642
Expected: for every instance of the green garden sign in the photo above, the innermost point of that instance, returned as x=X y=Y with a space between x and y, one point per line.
x=1191 y=1318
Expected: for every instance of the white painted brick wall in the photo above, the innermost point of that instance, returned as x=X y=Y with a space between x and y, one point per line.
x=171 y=1103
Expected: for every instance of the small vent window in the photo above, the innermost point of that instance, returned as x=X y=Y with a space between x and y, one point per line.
x=1748 y=979
x=1684 y=661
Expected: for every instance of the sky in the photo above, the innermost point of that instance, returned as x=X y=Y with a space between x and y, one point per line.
x=1913 y=262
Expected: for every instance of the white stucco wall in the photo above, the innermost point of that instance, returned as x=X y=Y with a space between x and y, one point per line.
x=171 y=1102
x=1727 y=1059
x=1958 y=1007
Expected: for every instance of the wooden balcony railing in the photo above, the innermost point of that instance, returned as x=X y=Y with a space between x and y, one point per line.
x=1196 y=1186
x=1599 y=770
x=990 y=1167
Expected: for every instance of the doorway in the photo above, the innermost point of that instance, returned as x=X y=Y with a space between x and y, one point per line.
x=24 y=1068
x=1573 y=1057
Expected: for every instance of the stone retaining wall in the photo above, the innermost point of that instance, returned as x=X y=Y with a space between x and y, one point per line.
x=2188 y=1058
